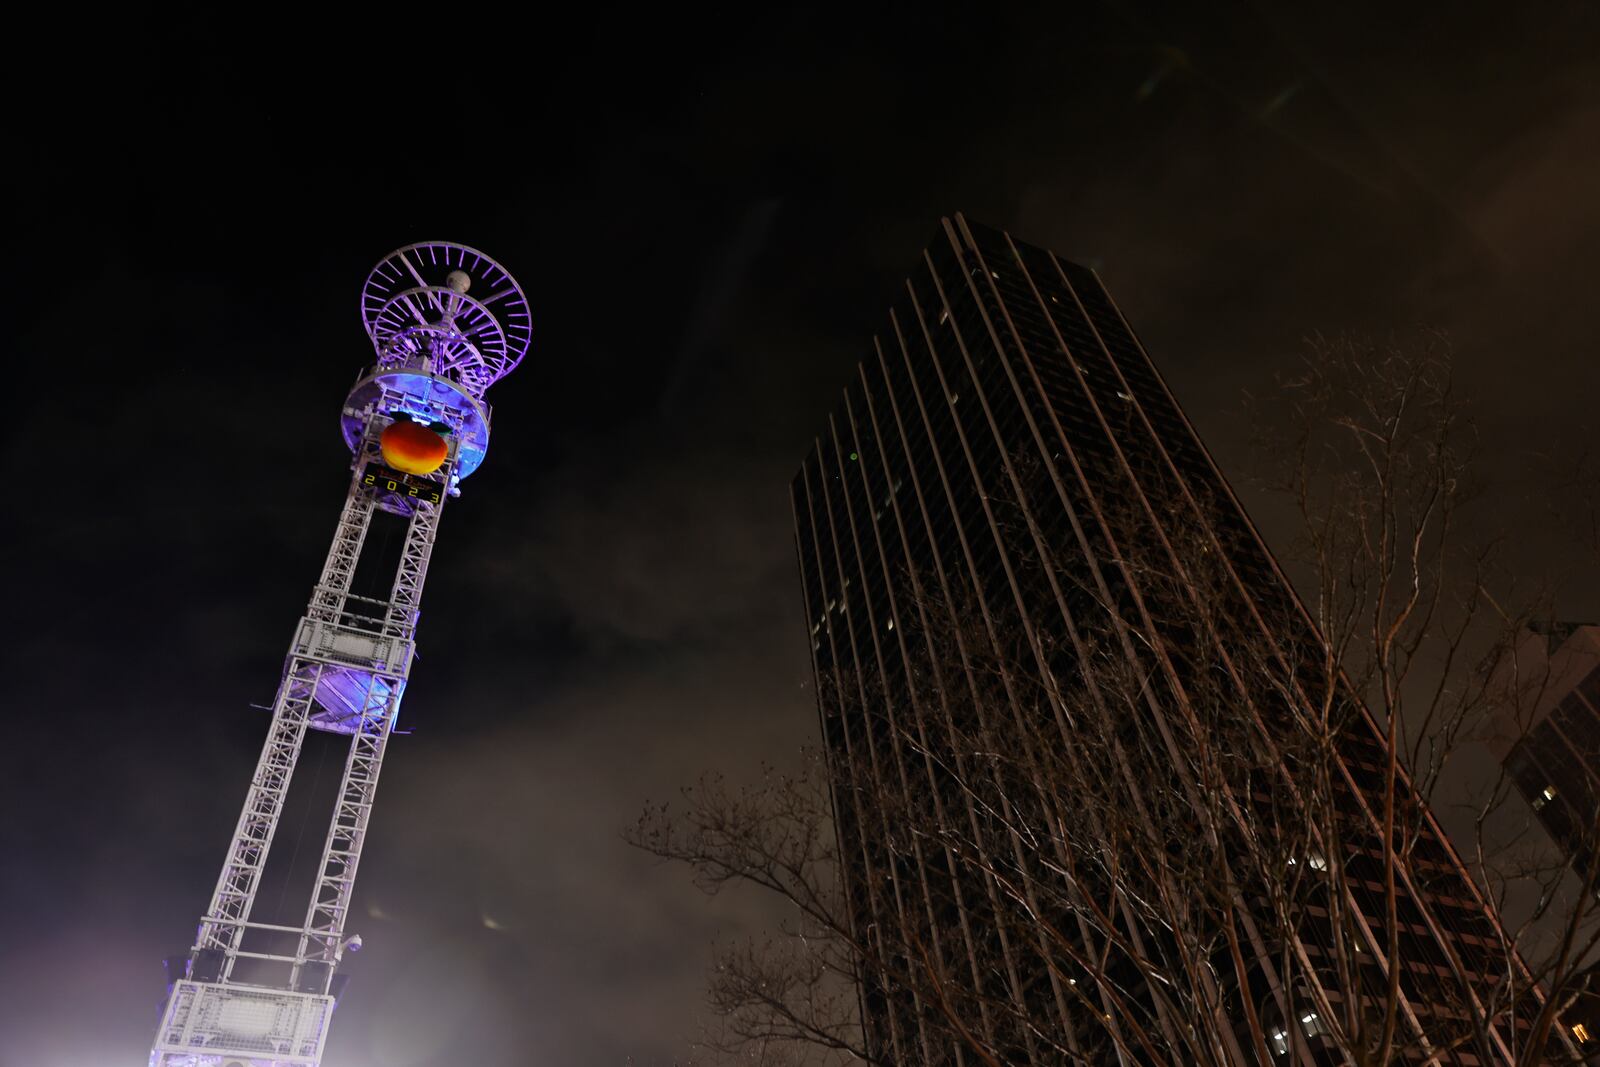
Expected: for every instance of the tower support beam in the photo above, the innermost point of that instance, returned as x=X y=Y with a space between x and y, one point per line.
x=260 y=994
x=222 y=927
x=321 y=944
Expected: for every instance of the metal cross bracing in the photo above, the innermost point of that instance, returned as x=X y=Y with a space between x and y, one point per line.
x=258 y=994
x=317 y=677
x=322 y=936
x=342 y=648
x=341 y=853
x=222 y=926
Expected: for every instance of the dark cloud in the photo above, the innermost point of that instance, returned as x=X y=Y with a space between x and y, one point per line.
x=690 y=543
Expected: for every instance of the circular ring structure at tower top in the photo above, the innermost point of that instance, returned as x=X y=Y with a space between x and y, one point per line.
x=450 y=306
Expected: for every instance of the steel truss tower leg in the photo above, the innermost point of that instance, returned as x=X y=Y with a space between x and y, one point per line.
x=222 y=927
x=321 y=944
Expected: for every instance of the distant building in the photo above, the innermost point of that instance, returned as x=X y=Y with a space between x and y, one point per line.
x=1009 y=375
x=1548 y=738
x=1553 y=753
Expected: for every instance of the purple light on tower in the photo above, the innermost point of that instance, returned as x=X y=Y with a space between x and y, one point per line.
x=447 y=322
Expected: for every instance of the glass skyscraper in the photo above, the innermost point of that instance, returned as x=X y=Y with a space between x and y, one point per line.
x=992 y=529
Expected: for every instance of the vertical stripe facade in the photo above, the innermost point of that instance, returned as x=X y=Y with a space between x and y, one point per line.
x=975 y=471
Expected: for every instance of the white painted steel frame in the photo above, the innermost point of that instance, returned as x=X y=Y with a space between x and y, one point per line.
x=222 y=927
x=323 y=934
x=345 y=673
x=307 y=687
x=208 y=1025
x=309 y=674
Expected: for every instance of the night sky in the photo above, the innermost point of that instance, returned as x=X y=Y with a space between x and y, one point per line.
x=710 y=218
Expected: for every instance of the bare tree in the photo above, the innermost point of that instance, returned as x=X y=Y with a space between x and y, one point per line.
x=1194 y=829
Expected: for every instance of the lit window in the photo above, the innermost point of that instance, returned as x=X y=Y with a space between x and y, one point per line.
x=1280 y=1042
x=891 y=624
x=1545 y=797
x=1317 y=862
x=1313 y=1024
x=944 y=315
x=1581 y=1032
x=1549 y=792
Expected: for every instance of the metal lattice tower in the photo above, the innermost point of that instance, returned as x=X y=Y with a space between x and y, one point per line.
x=447 y=322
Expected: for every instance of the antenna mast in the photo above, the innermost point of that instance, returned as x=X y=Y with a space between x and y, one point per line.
x=447 y=322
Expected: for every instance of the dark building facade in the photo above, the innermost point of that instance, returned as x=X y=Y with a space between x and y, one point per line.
x=987 y=534
x=1554 y=758
x=1550 y=746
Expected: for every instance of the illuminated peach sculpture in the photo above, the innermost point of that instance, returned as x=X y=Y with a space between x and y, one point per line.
x=412 y=448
